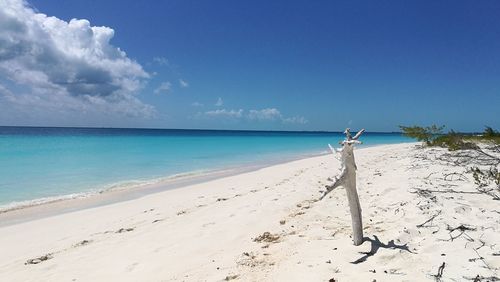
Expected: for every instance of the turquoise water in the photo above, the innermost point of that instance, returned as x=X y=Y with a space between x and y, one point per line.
x=39 y=163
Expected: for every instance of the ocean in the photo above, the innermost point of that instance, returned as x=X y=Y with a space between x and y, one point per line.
x=39 y=164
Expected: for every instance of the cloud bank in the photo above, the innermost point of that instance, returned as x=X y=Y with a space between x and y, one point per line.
x=264 y=114
x=65 y=66
x=267 y=114
x=225 y=113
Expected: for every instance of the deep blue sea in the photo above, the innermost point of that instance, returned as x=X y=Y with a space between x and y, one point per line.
x=42 y=163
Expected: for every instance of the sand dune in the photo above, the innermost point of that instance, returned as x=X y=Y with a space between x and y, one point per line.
x=422 y=218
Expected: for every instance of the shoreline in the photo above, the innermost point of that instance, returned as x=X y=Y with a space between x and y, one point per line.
x=44 y=207
x=268 y=225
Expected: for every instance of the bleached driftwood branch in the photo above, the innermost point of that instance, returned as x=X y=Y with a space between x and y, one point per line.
x=357 y=134
x=347 y=179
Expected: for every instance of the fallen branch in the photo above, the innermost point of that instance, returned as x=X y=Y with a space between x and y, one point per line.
x=461 y=176
x=482 y=259
x=440 y=272
x=429 y=220
x=462 y=228
x=480 y=278
x=445 y=191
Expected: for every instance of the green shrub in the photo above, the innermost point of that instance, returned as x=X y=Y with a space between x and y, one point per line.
x=433 y=136
x=490 y=132
x=425 y=134
x=488 y=136
x=453 y=141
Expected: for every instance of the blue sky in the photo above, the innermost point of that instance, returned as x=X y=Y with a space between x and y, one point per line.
x=276 y=65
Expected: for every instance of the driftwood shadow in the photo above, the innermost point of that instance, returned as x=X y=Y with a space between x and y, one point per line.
x=376 y=245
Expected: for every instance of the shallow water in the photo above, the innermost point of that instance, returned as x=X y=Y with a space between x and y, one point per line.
x=40 y=163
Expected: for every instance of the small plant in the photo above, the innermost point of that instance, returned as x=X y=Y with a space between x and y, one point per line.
x=483 y=178
x=478 y=176
x=490 y=132
x=453 y=141
x=434 y=136
x=490 y=136
x=425 y=134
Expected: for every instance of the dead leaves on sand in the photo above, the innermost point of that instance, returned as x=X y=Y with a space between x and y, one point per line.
x=267 y=237
x=48 y=256
x=79 y=244
x=39 y=259
x=231 y=277
x=123 y=230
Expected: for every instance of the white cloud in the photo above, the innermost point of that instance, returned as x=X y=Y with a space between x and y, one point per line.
x=164 y=87
x=236 y=114
x=273 y=114
x=183 y=83
x=219 y=102
x=162 y=61
x=197 y=104
x=48 y=62
x=265 y=114
x=296 y=120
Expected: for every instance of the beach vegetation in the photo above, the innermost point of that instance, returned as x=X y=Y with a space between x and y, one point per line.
x=454 y=141
x=433 y=136
x=483 y=177
x=479 y=153
x=425 y=134
x=489 y=135
x=490 y=132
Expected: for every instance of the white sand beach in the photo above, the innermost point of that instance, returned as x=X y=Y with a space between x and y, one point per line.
x=213 y=231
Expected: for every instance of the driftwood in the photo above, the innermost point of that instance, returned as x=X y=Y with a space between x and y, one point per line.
x=439 y=274
x=347 y=179
x=429 y=220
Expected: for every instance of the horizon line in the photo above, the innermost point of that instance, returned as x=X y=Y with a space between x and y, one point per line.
x=193 y=129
